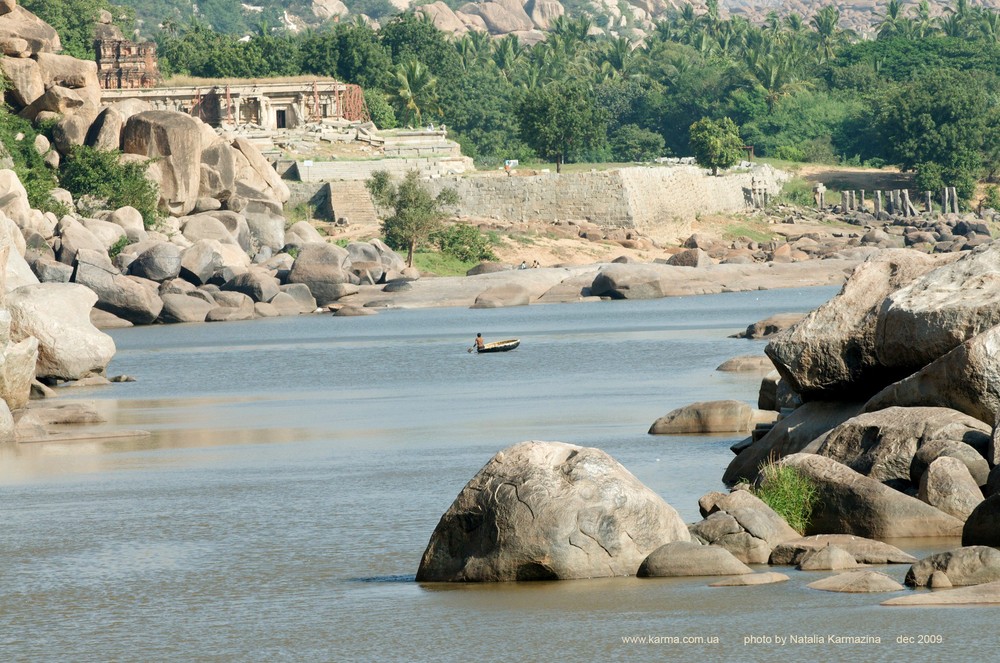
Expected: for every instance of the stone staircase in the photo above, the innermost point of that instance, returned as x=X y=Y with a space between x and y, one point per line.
x=351 y=200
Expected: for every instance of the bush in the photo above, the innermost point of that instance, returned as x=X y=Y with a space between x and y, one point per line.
x=633 y=143
x=789 y=493
x=464 y=242
x=37 y=178
x=100 y=174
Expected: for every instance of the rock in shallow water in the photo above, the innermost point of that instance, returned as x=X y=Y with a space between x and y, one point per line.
x=549 y=511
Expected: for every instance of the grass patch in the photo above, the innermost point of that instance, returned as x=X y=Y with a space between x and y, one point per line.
x=441 y=264
x=791 y=494
x=737 y=230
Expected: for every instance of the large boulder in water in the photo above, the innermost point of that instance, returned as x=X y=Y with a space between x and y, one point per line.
x=686 y=558
x=58 y=315
x=850 y=503
x=322 y=267
x=832 y=352
x=971 y=565
x=548 y=511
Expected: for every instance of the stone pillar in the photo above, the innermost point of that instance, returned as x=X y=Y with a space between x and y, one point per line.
x=861 y=202
x=944 y=201
x=927 y=202
x=953 y=197
x=818 y=195
x=878 y=203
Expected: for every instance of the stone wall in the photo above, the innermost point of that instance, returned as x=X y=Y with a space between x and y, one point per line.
x=658 y=201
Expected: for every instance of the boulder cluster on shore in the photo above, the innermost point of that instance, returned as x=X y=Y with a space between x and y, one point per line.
x=889 y=407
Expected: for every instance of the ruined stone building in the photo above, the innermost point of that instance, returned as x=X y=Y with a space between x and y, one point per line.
x=124 y=64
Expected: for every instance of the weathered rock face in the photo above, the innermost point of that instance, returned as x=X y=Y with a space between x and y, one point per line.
x=972 y=565
x=22 y=24
x=705 y=417
x=442 y=17
x=58 y=316
x=501 y=296
x=549 y=510
x=544 y=12
x=258 y=285
x=771 y=325
x=882 y=444
x=322 y=268
x=159 y=262
x=627 y=282
x=120 y=295
x=851 y=503
x=684 y=558
x=833 y=350
x=790 y=435
x=174 y=140
x=743 y=524
x=948 y=486
x=966 y=379
x=184 y=308
x=830 y=558
x=940 y=310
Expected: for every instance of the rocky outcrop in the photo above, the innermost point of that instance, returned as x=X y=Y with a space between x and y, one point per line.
x=882 y=444
x=830 y=558
x=790 y=435
x=546 y=511
x=832 y=352
x=966 y=379
x=322 y=268
x=174 y=140
x=948 y=485
x=850 y=503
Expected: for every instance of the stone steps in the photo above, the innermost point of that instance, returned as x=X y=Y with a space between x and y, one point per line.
x=352 y=201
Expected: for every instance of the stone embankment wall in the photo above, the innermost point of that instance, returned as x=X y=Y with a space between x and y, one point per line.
x=323 y=171
x=660 y=202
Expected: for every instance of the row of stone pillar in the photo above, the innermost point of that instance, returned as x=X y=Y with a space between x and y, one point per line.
x=896 y=201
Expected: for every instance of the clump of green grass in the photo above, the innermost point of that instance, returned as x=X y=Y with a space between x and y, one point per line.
x=790 y=493
x=736 y=230
x=441 y=264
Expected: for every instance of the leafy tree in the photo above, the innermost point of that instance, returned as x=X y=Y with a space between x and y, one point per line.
x=716 y=144
x=942 y=125
x=561 y=120
x=415 y=212
x=379 y=109
x=633 y=143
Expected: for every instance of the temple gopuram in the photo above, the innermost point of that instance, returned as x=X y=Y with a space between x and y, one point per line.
x=123 y=64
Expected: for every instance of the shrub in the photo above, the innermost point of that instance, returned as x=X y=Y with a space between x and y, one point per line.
x=633 y=143
x=791 y=494
x=465 y=242
x=37 y=178
x=100 y=174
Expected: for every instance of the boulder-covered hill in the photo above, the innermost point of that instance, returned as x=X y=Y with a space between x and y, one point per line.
x=527 y=18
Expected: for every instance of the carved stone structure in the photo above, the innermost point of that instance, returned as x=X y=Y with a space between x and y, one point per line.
x=124 y=64
x=267 y=105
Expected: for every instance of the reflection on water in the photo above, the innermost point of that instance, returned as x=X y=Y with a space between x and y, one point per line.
x=295 y=469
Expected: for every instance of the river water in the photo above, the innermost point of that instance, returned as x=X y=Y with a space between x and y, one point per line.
x=296 y=468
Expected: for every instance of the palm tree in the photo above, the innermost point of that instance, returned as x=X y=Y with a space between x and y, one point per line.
x=777 y=73
x=828 y=35
x=415 y=92
x=989 y=25
x=892 y=21
x=508 y=53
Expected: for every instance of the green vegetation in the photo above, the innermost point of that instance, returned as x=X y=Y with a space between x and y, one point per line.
x=716 y=144
x=37 y=178
x=789 y=493
x=100 y=174
x=751 y=232
x=441 y=264
x=416 y=214
x=117 y=247
x=919 y=95
x=464 y=242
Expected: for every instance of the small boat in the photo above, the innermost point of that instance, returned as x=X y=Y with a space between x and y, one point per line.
x=500 y=346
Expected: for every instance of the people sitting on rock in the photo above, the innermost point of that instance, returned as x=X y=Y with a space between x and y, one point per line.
x=524 y=265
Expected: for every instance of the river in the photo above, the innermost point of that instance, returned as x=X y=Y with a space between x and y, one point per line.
x=296 y=467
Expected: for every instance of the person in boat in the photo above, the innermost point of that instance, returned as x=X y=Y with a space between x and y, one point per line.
x=479 y=342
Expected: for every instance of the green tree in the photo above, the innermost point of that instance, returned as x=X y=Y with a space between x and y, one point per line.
x=415 y=212
x=633 y=143
x=716 y=143
x=561 y=120
x=75 y=21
